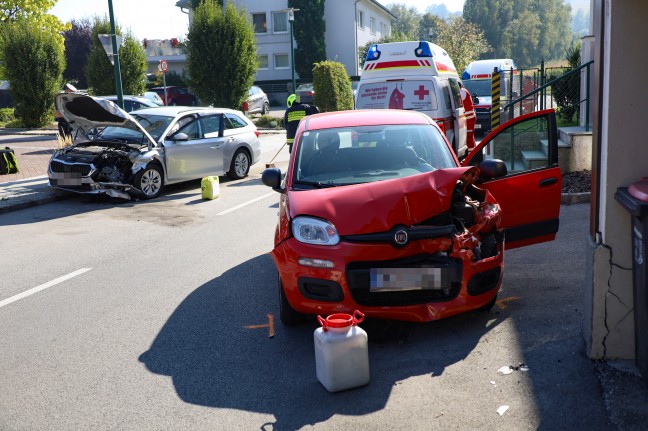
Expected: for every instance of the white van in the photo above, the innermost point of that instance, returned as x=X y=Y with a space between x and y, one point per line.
x=419 y=76
x=477 y=78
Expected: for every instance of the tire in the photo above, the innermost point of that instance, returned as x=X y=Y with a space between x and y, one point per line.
x=288 y=315
x=240 y=165
x=265 y=109
x=149 y=181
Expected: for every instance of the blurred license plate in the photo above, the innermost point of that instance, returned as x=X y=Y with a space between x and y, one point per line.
x=399 y=279
x=65 y=178
x=477 y=126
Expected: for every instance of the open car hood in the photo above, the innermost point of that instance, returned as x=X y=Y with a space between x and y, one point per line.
x=380 y=205
x=87 y=113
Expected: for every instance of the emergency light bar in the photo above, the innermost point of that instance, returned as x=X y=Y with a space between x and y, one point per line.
x=423 y=50
x=373 y=53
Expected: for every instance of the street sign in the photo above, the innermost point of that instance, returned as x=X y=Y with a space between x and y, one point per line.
x=163 y=66
x=106 y=42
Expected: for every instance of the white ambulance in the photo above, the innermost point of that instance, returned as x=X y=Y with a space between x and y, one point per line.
x=419 y=76
x=477 y=78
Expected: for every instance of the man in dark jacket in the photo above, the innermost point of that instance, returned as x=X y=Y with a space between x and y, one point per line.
x=295 y=112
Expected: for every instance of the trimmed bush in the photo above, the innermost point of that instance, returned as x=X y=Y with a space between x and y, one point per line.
x=332 y=87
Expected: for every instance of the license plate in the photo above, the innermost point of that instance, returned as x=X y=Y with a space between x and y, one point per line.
x=400 y=279
x=477 y=126
x=65 y=178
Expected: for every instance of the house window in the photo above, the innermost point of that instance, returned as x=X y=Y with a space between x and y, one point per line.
x=384 y=29
x=263 y=61
x=259 y=22
x=280 y=22
x=360 y=19
x=281 y=61
x=372 y=25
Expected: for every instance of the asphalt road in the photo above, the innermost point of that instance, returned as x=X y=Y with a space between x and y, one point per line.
x=158 y=314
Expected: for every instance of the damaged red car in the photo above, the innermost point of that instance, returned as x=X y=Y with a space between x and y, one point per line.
x=377 y=214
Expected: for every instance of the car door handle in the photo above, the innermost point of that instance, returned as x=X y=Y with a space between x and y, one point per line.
x=548 y=182
x=215 y=147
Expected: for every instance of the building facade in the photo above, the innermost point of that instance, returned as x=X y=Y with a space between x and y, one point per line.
x=349 y=25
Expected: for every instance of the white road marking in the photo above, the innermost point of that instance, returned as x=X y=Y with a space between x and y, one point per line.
x=246 y=203
x=42 y=287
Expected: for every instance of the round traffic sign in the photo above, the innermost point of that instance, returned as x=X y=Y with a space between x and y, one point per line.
x=164 y=66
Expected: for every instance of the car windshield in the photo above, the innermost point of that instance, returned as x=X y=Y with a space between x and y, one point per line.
x=478 y=87
x=364 y=154
x=155 y=125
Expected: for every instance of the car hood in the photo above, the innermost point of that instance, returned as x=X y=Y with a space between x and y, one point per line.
x=86 y=112
x=379 y=206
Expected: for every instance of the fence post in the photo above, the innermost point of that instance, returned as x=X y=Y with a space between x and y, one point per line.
x=510 y=94
x=495 y=101
x=543 y=93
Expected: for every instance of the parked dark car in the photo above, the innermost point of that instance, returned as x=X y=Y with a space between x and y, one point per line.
x=305 y=93
x=133 y=103
x=179 y=96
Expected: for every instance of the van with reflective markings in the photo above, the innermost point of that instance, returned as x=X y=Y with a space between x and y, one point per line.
x=415 y=75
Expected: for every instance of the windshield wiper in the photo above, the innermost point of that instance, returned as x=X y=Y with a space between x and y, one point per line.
x=317 y=184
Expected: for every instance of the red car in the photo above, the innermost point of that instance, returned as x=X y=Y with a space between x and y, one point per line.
x=378 y=215
x=179 y=96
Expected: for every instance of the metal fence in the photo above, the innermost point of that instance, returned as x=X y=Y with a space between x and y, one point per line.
x=555 y=87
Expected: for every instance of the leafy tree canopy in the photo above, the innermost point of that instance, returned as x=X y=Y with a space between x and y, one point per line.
x=30 y=10
x=221 y=54
x=34 y=64
x=408 y=20
x=463 y=41
x=100 y=73
x=309 y=29
x=527 y=31
x=78 y=41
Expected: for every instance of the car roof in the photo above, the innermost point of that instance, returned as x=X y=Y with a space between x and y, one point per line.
x=173 y=111
x=366 y=117
x=127 y=96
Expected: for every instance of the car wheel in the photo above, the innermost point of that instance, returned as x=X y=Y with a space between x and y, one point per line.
x=149 y=181
x=265 y=109
x=240 y=165
x=288 y=315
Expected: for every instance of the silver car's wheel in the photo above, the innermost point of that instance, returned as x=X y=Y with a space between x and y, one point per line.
x=240 y=165
x=149 y=181
x=265 y=109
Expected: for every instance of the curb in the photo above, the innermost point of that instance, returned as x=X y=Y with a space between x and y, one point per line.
x=37 y=132
x=48 y=198
x=574 y=198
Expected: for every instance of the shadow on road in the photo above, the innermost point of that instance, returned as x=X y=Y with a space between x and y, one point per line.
x=215 y=361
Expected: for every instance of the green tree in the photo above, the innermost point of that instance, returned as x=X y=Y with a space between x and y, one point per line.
x=221 y=54
x=429 y=26
x=526 y=30
x=332 y=87
x=34 y=62
x=34 y=11
x=100 y=73
x=463 y=41
x=309 y=29
x=408 y=20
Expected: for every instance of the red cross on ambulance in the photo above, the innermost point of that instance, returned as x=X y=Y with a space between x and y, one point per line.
x=421 y=92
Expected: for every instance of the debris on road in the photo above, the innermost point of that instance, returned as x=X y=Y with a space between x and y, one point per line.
x=502 y=409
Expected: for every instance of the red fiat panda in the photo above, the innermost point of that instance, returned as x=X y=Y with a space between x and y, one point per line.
x=378 y=215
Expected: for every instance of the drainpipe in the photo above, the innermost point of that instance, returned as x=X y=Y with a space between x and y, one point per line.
x=355 y=34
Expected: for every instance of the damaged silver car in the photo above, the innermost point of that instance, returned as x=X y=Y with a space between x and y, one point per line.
x=128 y=156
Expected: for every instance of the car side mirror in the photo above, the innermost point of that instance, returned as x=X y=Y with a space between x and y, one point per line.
x=180 y=137
x=271 y=177
x=475 y=100
x=491 y=169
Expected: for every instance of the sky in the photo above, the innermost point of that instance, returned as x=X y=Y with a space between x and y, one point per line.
x=161 y=19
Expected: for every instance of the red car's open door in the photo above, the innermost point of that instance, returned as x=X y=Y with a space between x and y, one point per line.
x=529 y=193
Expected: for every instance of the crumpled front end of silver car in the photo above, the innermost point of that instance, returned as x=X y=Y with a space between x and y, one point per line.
x=95 y=169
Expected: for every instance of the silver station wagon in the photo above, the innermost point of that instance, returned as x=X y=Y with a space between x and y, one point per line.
x=135 y=155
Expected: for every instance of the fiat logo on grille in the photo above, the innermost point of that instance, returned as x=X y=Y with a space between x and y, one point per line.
x=400 y=237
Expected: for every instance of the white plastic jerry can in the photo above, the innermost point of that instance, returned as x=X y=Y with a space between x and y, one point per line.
x=341 y=352
x=210 y=188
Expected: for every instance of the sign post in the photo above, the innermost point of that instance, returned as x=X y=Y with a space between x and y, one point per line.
x=118 y=82
x=164 y=68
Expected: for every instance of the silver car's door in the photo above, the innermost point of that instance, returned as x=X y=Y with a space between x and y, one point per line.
x=190 y=154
